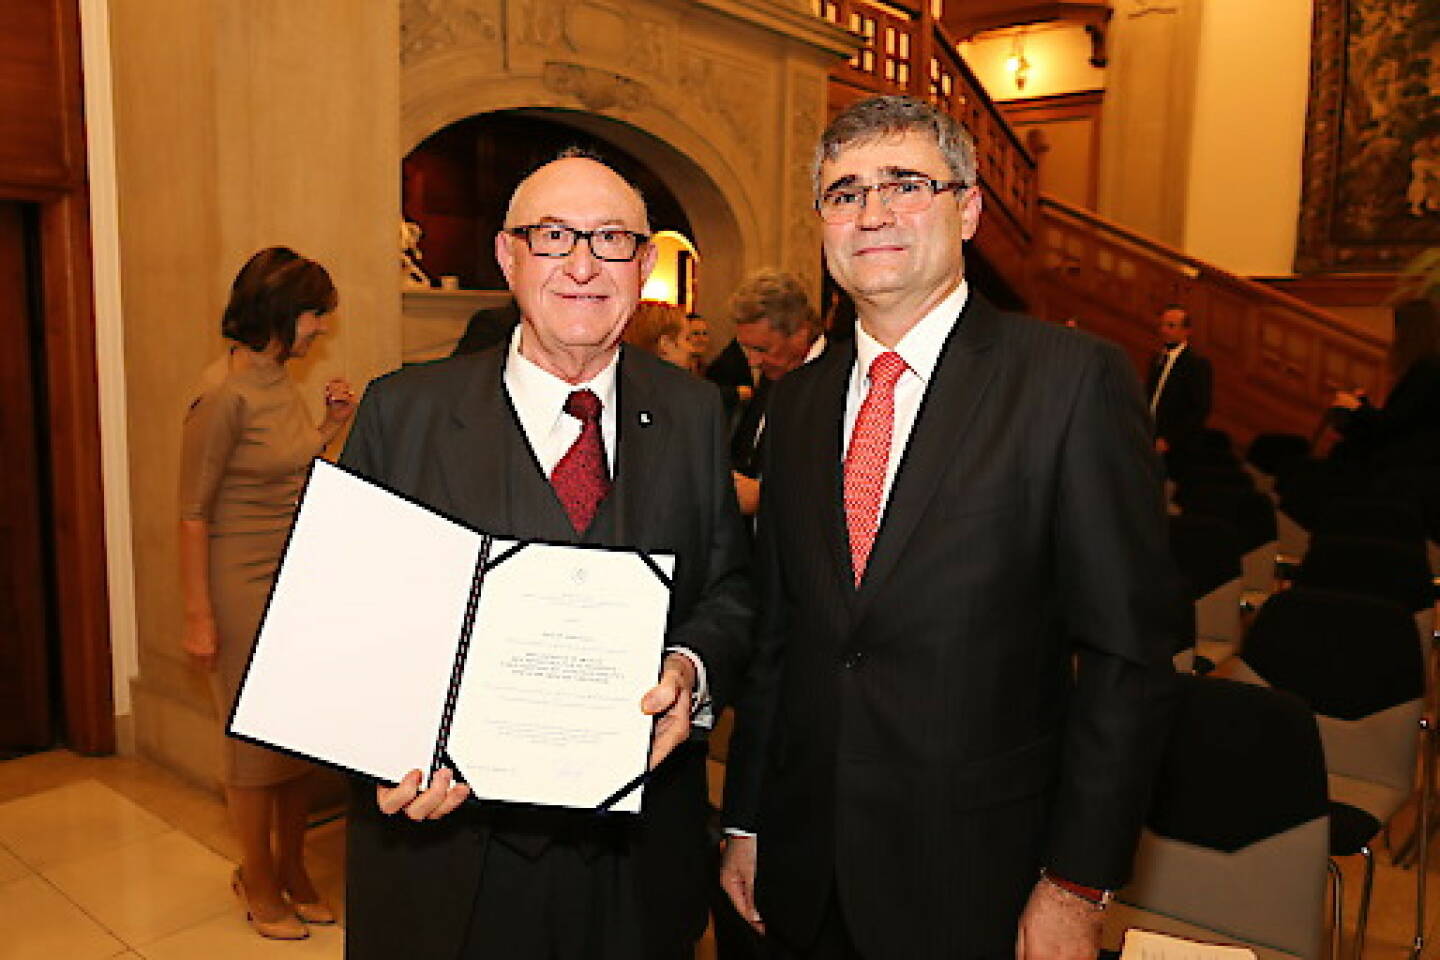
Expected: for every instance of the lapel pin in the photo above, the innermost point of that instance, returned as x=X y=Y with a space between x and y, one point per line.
x=645 y=418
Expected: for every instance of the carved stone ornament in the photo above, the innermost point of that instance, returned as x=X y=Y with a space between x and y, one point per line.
x=728 y=93
x=544 y=23
x=597 y=90
x=433 y=26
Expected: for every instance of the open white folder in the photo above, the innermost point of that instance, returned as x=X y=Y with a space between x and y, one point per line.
x=398 y=639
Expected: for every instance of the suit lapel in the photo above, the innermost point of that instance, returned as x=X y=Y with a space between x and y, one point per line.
x=822 y=475
x=953 y=398
x=642 y=431
x=475 y=464
x=489 y=473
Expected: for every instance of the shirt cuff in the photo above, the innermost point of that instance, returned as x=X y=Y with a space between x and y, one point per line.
x=702 y=711
x=737 y=832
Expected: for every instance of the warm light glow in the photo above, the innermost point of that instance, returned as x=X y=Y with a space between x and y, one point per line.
x=665 y=281
x=1016 y=64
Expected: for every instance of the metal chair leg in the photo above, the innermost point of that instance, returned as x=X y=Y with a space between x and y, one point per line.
x=1422 y=829
x=1337 y=903
x=1363 y=920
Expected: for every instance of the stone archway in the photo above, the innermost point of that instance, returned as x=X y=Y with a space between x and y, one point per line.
x=723 y=106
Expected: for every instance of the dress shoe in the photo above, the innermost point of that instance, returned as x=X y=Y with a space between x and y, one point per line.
x=288 y=927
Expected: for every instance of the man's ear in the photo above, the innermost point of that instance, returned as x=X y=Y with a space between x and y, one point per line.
x=970 y=213
x=504 y=255
x=648 y=257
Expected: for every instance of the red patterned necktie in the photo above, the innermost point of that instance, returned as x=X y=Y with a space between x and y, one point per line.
x=868 y=457
x=582 y=478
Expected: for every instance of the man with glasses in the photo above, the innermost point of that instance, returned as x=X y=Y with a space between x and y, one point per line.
x=561 y=435
x=961 y=674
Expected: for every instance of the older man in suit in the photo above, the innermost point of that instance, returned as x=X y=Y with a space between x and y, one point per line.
x=962 y=672
x=561 y=435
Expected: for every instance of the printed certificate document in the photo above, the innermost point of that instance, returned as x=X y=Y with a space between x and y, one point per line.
x=396 y=638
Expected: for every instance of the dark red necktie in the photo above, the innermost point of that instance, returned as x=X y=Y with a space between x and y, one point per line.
x=582 y=478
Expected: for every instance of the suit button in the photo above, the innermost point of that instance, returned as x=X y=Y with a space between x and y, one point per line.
x=852 y=659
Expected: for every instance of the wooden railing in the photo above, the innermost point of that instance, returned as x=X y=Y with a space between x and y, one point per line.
x=1277 y=360
x=908 y=51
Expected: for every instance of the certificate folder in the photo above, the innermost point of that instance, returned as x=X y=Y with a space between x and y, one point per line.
x=396 y=638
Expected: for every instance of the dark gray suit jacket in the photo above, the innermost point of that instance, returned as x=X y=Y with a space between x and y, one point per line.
x=446 y=435
x=991 y=699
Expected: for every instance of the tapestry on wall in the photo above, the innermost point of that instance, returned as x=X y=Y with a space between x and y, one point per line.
x=1371 y=196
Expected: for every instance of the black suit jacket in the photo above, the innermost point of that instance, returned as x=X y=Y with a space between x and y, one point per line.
x=923 y=743
x=446 y=435
x=1184 y=404
x=487 y=328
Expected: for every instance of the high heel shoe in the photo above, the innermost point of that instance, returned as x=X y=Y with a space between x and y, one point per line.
x=318 y=912
x=288 y=927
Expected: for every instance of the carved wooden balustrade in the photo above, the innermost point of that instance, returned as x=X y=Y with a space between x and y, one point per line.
x=1277 y=360
x=908 y=51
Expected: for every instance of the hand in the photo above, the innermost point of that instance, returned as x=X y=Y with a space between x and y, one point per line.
x=201 y=641
x=737 y=878
x=747 y=493
x=443 y=796
x=744 y=393
x=1348 y=400
x=1057 y=926
x=339 y=400
x=1162 y=445
x=671 y=698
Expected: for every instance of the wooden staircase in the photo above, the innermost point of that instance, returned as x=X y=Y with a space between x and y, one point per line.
x=1277 y=359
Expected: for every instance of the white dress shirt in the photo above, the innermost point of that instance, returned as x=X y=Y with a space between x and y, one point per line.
x=539 y=400
x=1171 y=355
x=920 y=349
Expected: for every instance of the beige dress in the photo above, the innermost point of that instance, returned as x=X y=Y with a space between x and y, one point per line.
x=247 y=443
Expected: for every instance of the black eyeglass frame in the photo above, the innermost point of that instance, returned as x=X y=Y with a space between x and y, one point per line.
x=937 y=187
x=576 y=235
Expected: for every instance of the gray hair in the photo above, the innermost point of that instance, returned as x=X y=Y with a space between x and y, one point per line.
x=777 y=298
x=874 y=117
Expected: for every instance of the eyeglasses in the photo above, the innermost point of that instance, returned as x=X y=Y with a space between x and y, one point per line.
x=909 y=195
x=557 y=240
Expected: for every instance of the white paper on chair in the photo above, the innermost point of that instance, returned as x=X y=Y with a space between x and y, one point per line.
x=1150 y=945
x=397 y=639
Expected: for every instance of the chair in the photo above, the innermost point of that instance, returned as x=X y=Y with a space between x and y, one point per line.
x=1354 y=660
x=1271 y=455
x=1236 y=843
x=1376 y=518
x=1207 y=553
x=1397 y=572
x=1253 y=516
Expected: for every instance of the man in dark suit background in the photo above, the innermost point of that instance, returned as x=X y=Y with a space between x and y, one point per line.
x=779 y=330
x=1178 y=384
x=487 y=328
x=962 y=671
x=561 y=435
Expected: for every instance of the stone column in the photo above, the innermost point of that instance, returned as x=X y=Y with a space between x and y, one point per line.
x=239 y=124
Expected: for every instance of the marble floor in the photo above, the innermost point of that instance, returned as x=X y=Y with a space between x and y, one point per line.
x=113 y=857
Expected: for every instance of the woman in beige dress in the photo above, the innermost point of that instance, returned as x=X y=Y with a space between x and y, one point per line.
x=248 y=441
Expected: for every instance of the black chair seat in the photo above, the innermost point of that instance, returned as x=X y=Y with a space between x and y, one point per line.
x=1350 y=829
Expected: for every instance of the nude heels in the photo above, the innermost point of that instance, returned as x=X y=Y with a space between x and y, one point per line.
x=288 y=927
x=317 y=913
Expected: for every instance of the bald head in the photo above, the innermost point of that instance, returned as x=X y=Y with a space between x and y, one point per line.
x=574 y=305
x=573 y=183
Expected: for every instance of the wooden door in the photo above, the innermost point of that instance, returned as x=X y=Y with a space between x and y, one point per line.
x=25 y=676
